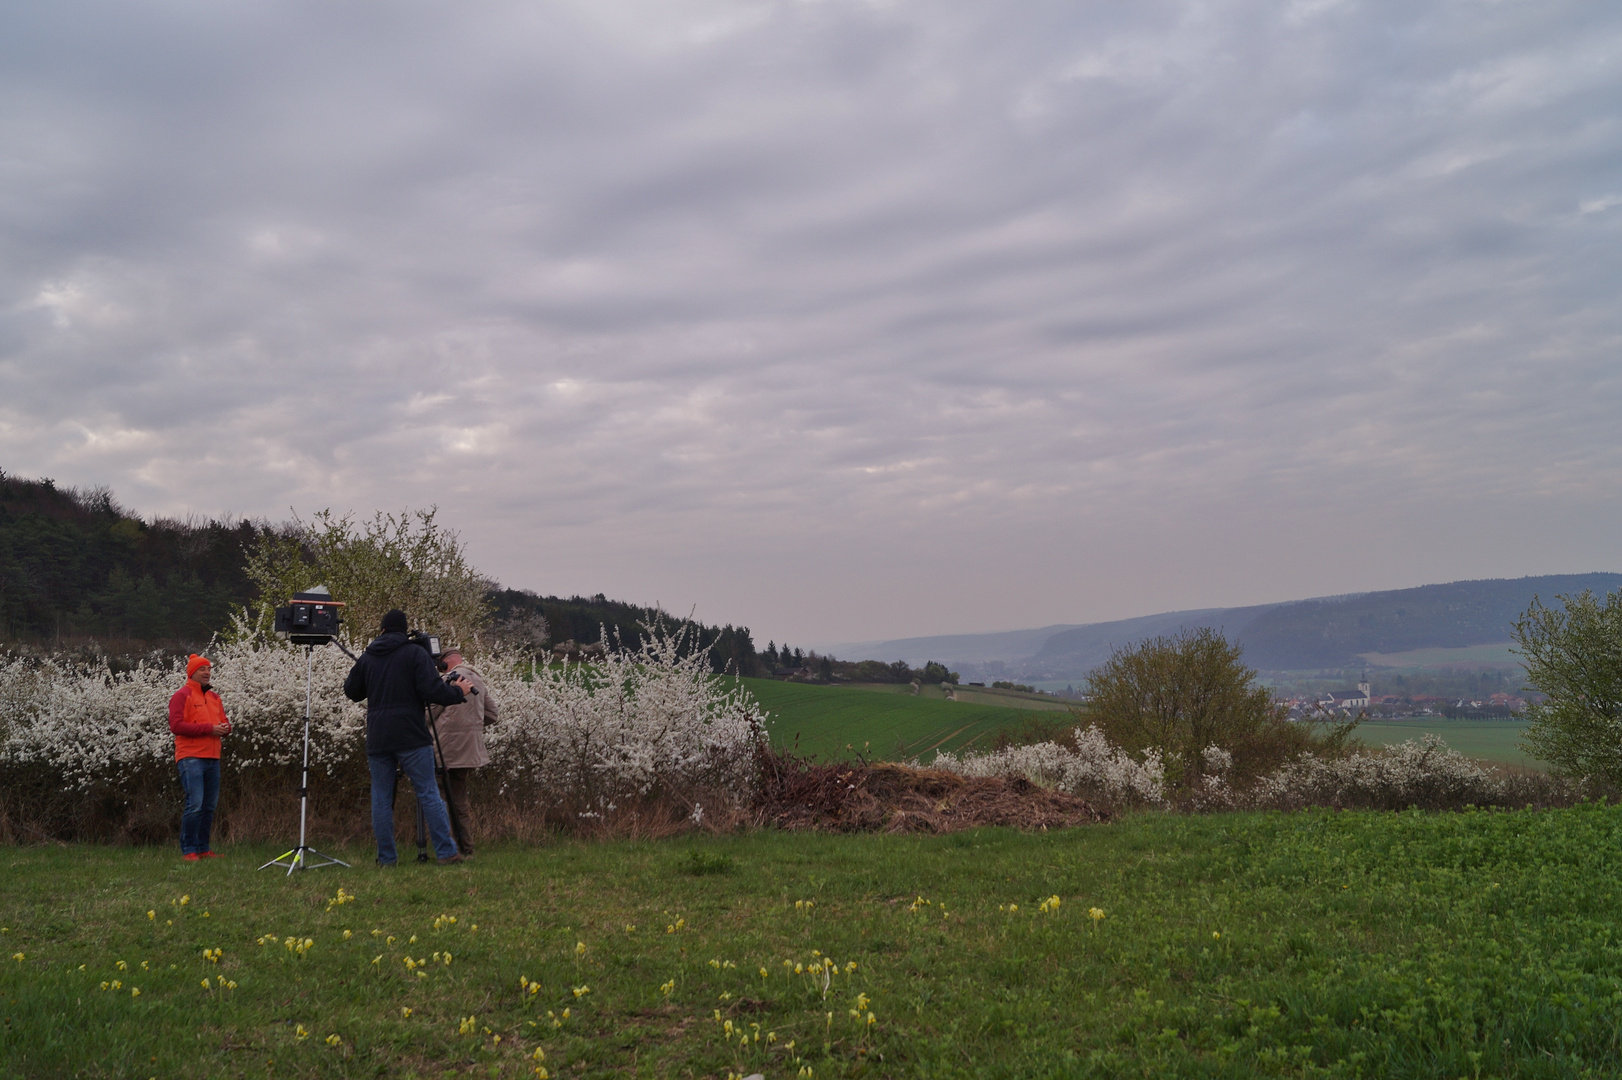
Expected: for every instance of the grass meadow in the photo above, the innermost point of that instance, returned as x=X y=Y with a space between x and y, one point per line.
x=894 y=725
x=1475 y=944
x=888 y=722
x=1496 y=741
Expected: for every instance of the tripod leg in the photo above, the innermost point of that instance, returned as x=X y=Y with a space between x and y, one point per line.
x=440 y=774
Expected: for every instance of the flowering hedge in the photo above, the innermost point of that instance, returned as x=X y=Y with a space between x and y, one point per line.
x=572 y=739
x=1423 y=773
x=1093 y=769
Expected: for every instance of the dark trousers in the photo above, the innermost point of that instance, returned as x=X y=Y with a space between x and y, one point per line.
x=456 y=792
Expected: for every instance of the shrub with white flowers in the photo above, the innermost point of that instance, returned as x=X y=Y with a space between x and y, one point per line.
x=1422 y=773
x=592 y=734
x=576 y=737
x=1094 y=768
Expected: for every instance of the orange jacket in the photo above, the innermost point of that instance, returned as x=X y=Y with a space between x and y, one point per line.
x=192 y=716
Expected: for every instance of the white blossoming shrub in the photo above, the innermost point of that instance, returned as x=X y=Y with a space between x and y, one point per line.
x=85 y=728
x=1094 y=769
x=72 y=728
x=1424 y=773
x=591 y=735
x=576 y=738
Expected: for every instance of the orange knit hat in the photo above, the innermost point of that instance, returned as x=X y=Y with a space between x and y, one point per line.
x=196 y=662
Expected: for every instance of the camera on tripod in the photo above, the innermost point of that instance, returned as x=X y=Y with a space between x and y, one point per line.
x=311 y=619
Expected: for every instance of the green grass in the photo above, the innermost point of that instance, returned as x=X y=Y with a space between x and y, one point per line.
x=1488 y=740
x=1319 y=944
x=888 y=721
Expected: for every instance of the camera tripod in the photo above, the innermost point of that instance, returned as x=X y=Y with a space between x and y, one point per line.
x=442 y=774
x=299 y=857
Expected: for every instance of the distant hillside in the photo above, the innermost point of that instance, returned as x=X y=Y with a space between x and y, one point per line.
x=1323 y=633
x=916 y=651
x=74 y=565
x=584 y=619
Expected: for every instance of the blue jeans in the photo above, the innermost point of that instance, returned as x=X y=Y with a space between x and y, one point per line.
x=418 y=765
x=201 y=779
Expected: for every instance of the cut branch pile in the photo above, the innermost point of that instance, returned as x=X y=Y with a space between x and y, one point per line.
x=866 y=797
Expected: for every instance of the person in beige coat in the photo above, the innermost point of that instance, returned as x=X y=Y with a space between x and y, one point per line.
x=461 y=741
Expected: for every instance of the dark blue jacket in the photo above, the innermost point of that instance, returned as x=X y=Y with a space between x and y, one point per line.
x=396 y=680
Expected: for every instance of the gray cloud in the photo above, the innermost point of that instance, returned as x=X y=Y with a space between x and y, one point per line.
x=845 y=320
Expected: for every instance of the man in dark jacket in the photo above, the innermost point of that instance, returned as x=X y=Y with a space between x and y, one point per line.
x=397 y=680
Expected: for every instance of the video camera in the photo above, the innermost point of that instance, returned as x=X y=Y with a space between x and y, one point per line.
x=430 y=644
x=311 y=619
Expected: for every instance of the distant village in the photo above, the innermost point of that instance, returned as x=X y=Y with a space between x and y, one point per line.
x=1360 y=702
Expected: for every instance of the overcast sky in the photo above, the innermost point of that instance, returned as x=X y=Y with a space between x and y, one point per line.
x=841 y=320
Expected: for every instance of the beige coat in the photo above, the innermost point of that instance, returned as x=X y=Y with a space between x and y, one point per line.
x=461 y=727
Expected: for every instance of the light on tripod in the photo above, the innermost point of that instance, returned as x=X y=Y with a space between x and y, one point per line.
x=310 y=620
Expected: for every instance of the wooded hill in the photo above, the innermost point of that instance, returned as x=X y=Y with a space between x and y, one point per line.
x=586 y=620
x=77 y=570
x=75 y=566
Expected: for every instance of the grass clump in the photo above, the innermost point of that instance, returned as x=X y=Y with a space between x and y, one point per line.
x=702 y=863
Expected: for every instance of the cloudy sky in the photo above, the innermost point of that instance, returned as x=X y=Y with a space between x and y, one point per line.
x=839 y=319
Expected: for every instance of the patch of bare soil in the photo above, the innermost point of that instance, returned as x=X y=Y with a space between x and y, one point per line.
x=867 y=797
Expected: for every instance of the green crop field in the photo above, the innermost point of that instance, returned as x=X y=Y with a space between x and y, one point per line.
x=1478 y=944
x=894 y=725
x=888 y=721
x=1488 y=740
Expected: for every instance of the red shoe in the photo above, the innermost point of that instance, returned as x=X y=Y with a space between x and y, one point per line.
x=210 y=855
x=191 y=856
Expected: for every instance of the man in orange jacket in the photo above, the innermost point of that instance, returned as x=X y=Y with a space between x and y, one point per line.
x=197 y=718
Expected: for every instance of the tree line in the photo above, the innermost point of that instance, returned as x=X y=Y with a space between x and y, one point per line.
x=75 y=566
x=79 y=571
